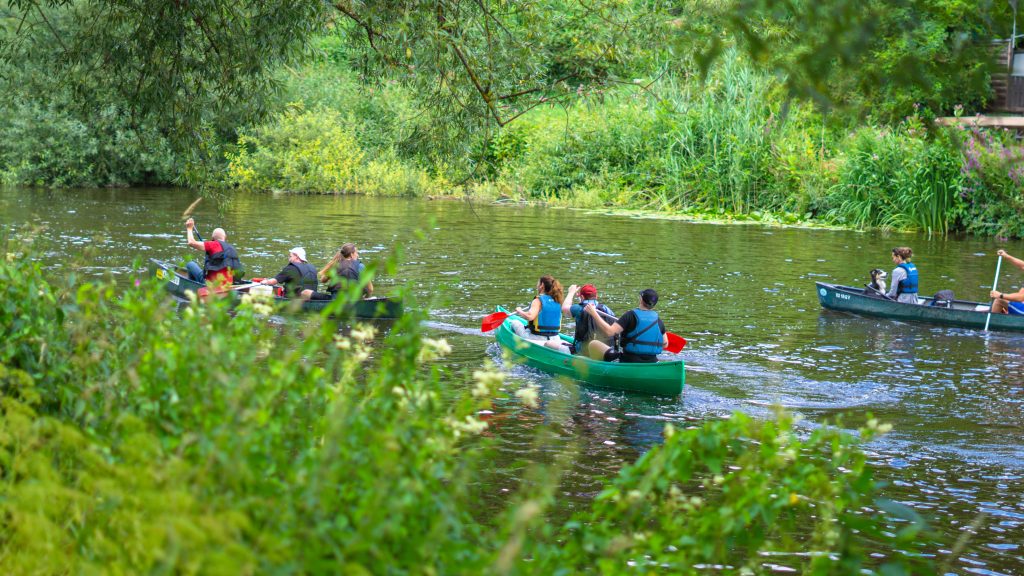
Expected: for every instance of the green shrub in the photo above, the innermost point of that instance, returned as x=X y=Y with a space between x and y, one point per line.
x=45 y=145
x=993 y=192
x=897 y=178
x=297 y=151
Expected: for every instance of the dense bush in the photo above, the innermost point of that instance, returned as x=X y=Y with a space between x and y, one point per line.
x=896 y=178
x=134 y=438
x=44 y=144
x=297 y=151
x=993 y=191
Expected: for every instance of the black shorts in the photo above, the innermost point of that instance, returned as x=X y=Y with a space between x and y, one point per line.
x=322 y=296
x=611 y=355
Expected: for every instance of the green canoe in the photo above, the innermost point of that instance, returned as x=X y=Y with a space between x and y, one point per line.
x=177 y=282
x=661 y=378
x=957 y=313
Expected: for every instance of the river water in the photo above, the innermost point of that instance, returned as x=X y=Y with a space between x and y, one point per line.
x=742 y=295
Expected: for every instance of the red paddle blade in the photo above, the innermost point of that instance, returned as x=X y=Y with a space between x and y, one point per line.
x=492 y=321
x=676 y=343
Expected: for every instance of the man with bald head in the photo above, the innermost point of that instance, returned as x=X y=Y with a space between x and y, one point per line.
x=221 y=258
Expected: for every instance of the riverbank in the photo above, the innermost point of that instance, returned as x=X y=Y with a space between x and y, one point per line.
x=725 y=150
x=730 y=148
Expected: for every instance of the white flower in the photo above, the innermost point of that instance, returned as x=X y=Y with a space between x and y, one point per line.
x=439 y=345
x=470 y=425
x=363 y=332
x=342 y=343
x=487 y=381
x=434 y=349
x=528 y=395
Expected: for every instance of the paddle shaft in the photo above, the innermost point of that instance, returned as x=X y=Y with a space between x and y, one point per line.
x=994 y=283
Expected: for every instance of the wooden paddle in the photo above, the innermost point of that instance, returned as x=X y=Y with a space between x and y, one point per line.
x=676 y=343
x=994 y=282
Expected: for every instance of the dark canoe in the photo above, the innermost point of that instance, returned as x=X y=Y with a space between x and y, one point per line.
x=959 y=313
x=661 y=378
x=177 y=282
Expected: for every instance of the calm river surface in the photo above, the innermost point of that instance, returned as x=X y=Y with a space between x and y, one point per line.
x=742 y=295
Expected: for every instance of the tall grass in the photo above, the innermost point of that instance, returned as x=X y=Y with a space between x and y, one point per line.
x=895 y=178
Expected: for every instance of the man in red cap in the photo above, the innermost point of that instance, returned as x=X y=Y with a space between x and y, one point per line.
x=585 y=329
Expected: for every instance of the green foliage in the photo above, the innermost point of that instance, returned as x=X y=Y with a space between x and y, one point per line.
x=712 y=495
x=134 y=438
x=42 y=144
x=993 y=192
x=316 y=152
x=895 y=178
x=297 y=151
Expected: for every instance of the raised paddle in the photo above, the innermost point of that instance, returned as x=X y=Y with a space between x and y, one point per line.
x=676 y=343
x=994 y=282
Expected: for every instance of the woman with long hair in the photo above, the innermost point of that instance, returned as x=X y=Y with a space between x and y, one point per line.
x=544 y=316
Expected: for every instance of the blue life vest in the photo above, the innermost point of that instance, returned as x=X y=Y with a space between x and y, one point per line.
x=909 y=284
x=646 y=337
x=586 y=330
x=549 y=319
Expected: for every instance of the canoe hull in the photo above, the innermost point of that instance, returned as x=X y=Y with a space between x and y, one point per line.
x=661 y=378
x=179 y=284
x=963 y=313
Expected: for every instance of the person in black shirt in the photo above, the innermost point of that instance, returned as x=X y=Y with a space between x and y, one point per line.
x=643 y=333
x=297 y=276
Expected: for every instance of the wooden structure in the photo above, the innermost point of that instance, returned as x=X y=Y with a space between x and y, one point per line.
x=1007 y=80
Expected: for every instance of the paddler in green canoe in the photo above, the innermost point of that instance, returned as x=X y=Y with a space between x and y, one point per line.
x=544 y=316
x=585 y=330
x=643 y=333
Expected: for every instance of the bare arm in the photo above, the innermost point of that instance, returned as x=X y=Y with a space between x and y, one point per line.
x=1012 y=260
x=567 y=301
x=192 y=242
x=532 y=313
x=604 y=327
x=1009 y=296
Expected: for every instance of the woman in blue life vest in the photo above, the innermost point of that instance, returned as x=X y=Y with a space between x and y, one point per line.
x=903 y=277
x=544 y=316
x=643 y=332
x=1008 y=302
x=585 y=329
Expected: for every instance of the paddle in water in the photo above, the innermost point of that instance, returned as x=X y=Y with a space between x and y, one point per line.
x=676 y=343
x=994 y=283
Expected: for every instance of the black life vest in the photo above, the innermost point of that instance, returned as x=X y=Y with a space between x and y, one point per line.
x=586 y=329
x=347 y=271
x=307 y=278
x=226 y=258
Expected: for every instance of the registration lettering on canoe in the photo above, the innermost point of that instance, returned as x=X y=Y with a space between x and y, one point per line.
x=842 y=296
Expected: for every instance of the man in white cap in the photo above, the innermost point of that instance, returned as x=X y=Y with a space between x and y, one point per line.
x=298 y=275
